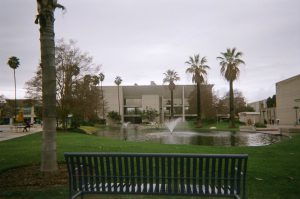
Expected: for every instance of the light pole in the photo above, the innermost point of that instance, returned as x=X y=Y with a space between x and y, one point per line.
x=296 y=111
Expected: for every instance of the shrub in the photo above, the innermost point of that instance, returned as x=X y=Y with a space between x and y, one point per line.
x=150 y=114
x=114 y=115
x=260 y=125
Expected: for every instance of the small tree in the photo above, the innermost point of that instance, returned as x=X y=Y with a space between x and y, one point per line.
x=115 y=116
x=150 y=114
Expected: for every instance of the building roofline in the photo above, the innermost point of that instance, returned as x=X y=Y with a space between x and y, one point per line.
x=156 y=85
x=288 y=79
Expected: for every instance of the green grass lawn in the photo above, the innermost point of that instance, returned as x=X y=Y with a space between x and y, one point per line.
x=273 y=171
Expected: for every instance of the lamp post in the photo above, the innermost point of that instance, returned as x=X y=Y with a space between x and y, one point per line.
x=296 y=111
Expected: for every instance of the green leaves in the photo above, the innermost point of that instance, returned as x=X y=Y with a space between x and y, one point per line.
x=13 y=62
x=229 y=62
x=118 y=80
x=198 y=68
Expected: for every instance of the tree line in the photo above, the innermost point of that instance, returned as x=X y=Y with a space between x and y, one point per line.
x=230 y=62
x=78 y=96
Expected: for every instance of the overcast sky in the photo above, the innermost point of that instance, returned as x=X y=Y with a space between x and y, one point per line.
x=139 y=40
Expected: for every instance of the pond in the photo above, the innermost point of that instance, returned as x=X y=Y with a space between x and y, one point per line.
x=213 y=138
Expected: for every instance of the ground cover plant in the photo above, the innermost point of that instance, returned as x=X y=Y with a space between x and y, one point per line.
x=273 y=171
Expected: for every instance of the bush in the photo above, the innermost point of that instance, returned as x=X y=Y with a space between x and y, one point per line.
x=260 y=125
x=209 y=120
x=150 y=114
x=102 y=121
x=114 y=115
x=88 y=123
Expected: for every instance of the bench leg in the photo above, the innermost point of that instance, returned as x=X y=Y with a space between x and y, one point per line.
x=76 y=195
x=237 y=197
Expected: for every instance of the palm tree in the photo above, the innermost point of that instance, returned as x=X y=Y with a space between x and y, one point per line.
x=230 y=62
x=14 y=63
x=101 y=78
x=45 y=19
x=198 y=69
x=118 y=81
x=171 y=76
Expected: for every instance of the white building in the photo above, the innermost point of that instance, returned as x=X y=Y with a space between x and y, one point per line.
x=288 y=100
x=132 y=100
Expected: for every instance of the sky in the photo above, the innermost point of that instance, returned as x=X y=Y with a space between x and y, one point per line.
x=140 y=40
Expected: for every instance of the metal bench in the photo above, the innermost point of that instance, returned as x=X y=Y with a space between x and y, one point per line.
x=16 y=128
x=156 y=174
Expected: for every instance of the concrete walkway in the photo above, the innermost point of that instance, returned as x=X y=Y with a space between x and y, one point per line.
x=6 y=133
x=279 y=129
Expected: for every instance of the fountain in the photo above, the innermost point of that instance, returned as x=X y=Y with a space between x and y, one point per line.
x=125 y=124
x=172 y=124
x=183 y=136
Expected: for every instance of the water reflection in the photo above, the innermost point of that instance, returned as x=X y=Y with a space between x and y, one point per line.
x=194 y=138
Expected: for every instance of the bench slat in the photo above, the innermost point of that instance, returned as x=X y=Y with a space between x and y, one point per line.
x=169 y=174
x=175 y=171
x=145 y=175
x=232 y=176
x=219 y=175
x=182 y=187
x=97 y=177
x=226 y=176
x=138 y=173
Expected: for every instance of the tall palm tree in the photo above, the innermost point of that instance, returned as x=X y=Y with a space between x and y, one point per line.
x=118 y=81
x=14 y=63
x=101 y=78
x=230 y=62
x=45 y=19
x=198 y=69
x=171 y=76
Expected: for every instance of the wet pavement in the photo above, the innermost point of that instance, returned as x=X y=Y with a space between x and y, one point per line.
x=7 y=132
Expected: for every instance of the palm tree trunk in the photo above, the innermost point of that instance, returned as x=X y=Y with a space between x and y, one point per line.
x=199 y=115
x=172 y=105
x=231 y=105
x=15 y=94
x=48 y=156
x=119 y=100
x=102 y=97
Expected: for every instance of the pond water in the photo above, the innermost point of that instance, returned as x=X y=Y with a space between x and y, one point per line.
x=213 y=138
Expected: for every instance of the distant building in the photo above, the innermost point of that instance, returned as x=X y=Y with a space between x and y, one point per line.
x=27 y=106
x=135 y=99
x=288 y=100
x=266 y=115
x=287 y=110
x=249 y=118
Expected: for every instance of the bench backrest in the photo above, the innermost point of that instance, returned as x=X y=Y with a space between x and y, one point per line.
x=174 y=173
